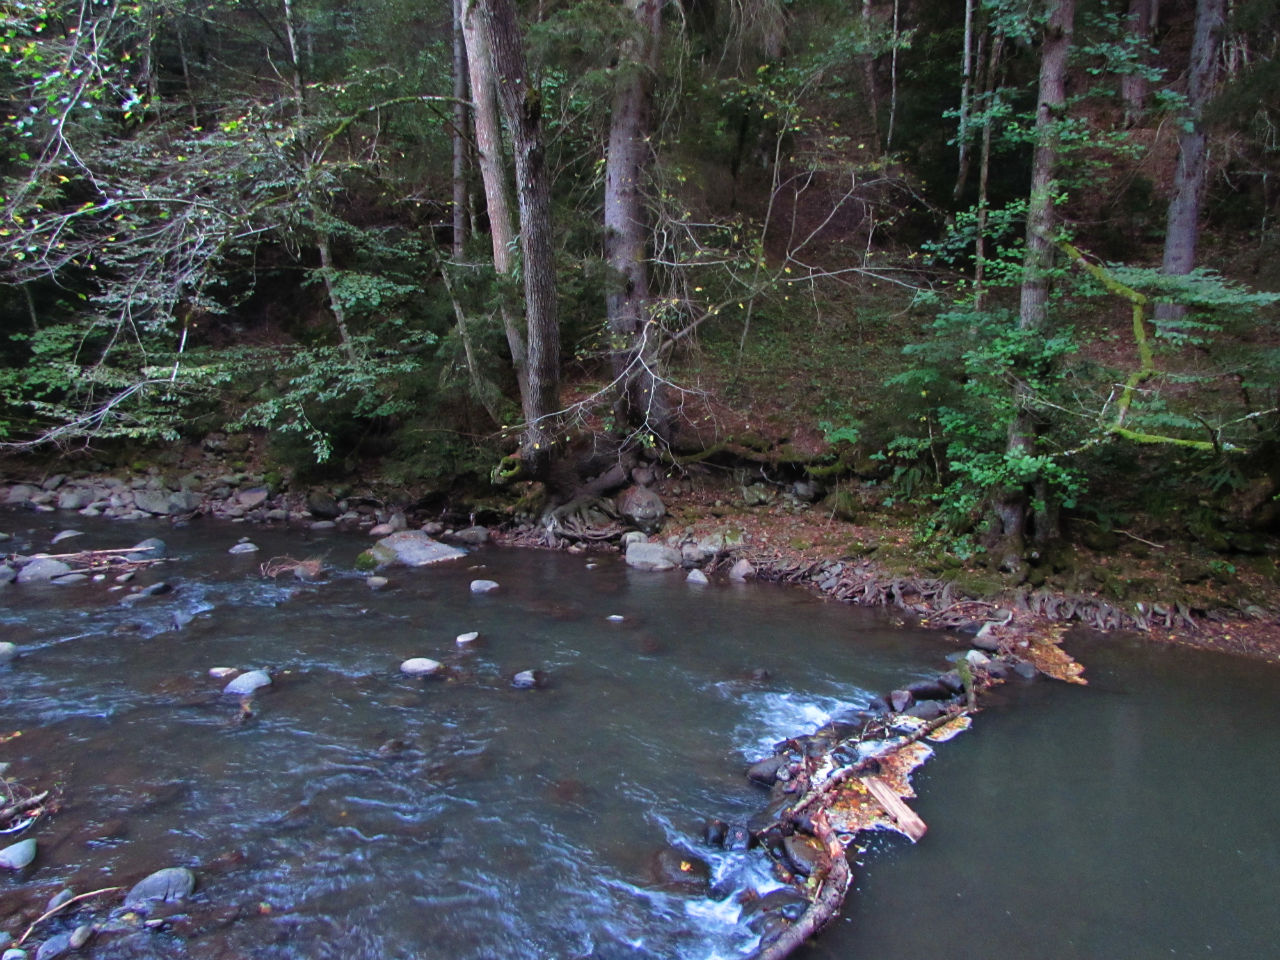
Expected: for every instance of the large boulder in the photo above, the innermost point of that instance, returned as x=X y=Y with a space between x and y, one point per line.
x=412 y=548
x=652 y=556
x=642 y=507
x=165 y=502
x=167 y=885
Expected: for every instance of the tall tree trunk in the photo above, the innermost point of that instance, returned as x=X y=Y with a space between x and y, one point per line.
x=522 y=107
x=488 y=131
x=626 y=228
x=324 y=246
x=966 y=87
x=990 y=84
x=1011 y=507
x=1133 y=86
x=1182 y=231
x=459 y=136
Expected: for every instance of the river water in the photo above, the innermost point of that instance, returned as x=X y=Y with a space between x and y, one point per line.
x=360 y=814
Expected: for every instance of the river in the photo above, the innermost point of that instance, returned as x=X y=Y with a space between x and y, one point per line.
x=359 y=813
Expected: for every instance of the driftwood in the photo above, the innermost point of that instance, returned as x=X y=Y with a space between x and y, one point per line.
x=21 y=806
x=830 y=881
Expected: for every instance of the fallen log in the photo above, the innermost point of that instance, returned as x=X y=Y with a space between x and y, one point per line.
x=830 y=883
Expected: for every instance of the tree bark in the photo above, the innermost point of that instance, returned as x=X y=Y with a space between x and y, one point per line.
x=521 y=104
x=1011 y=507
x=1182 y=230
x=488 y=132
x=1133 y=86
x=628 y=305
x=459 y=135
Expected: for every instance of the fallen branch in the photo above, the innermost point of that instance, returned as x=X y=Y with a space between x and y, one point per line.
x=11 y=811
x=62 y=906
x=831 y=886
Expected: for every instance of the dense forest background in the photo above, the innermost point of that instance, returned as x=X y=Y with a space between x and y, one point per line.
x=1008 y=265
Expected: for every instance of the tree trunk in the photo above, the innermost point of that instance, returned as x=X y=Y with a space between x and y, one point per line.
x=966 y=87
x=1133 y=86
x=1011 y=507
x=488 y=133
x=459 y=135
x=1182 y=231
x=628 y=304
x=522 y=107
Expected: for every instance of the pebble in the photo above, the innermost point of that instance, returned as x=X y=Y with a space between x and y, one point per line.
x=420 y=667
x=615 y=618
x=80 y=935
x=244 y=548
x=8 y=651
x=525 y=680
x=483 y=586
x=697 y=576
x=14 y=954
x=247 y=683
x=221 y=673
x=466 y=638
x=18 y=855
x=58 y=899
x=376 y=583
x=66 y=535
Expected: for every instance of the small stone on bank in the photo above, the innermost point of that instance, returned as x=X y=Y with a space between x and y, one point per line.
x=483 y=586
x=420 y=667
x=221 y=673
x=697 y=577
x=247 y=683
x=376 y=583
x=467 y=638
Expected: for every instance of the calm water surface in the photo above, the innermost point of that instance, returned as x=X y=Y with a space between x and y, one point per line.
x=360 y=814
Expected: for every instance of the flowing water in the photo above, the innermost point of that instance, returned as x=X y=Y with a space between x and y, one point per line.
x=362 y=814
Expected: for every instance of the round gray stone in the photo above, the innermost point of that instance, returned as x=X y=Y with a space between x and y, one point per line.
x=18 y=855
x=8 y=652
x=483 y=586
x=244 y=548
x=42 y=569
x=697 y=577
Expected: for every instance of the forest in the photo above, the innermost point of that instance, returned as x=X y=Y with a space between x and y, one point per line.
x=1005 y=268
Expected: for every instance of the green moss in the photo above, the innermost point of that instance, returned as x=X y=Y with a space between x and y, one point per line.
x=366 y=562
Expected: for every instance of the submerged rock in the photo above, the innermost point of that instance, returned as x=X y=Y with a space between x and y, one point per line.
x=8 y=652
x=742 y=570
x=697 y=577
x=56 y=946
x=245 y=547
x=167 y=885
x=152 y=548
x=484 y=586
x=529 y=680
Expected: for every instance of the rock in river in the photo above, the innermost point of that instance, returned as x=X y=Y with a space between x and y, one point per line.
x=483 y=586
x=420 y=667
x=652 y=556
x=412 y=548
x=18 y=855
x=42 y=568
x=247 y=683
x=8 y=652
x=169 y=884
